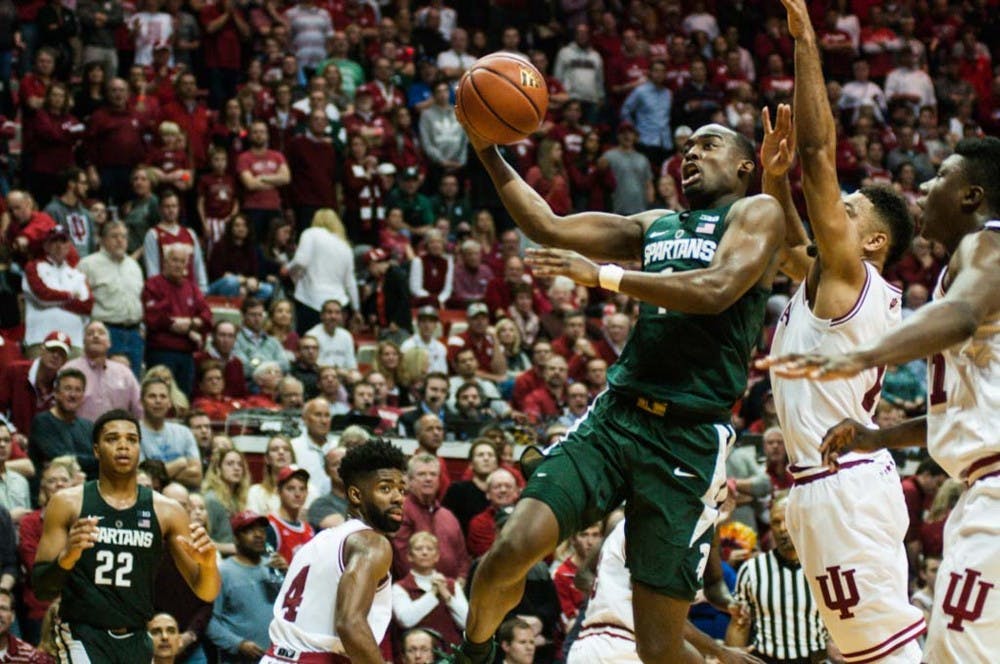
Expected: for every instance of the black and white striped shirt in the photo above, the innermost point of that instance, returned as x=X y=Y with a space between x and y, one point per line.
x=786 y=623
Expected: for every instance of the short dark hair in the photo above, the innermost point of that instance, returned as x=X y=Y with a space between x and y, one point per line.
x=435 y=375
x=149 y=382
x=168 y=192
x=506 y=632
x=746 y=148
x=250 y=303
x=113 y=416
x=69 y=176
x=981 y=166
x=931 y=466
x=892 y=210
x=375 y=455
x=70 y=373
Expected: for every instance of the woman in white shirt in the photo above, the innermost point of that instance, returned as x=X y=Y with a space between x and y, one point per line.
x=323 y=269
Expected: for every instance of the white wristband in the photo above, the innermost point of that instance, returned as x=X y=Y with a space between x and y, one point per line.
x=610 y=277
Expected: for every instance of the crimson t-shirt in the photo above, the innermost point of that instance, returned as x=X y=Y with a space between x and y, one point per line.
x=266 y=163
x=219 y=192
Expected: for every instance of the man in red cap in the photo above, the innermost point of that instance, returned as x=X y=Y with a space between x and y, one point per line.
x=27 y=386
x=29 y=228
x=387 y=305
x=288 y=531
x=250 y=582
x=56 y=294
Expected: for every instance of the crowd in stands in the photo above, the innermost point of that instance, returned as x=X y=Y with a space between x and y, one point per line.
x=221 y=210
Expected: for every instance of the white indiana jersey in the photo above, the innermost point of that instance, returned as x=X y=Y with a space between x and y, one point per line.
x=807 y=409
x=963 y=385
x=611 y=600
x=305 y=610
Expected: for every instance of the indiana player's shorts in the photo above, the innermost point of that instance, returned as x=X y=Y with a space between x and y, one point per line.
x=669 y=470
x=282 y=655
x=608 y=644
x=78 y=643
x=965 y=622
x=848 y=530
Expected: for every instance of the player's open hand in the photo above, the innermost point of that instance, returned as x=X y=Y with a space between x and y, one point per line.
x=199 y=546
x=82 y=536
x=777 y=150
x=847 y=436
x=546 y=262
x=799 y=25
x=478 y=142
x=813 y=366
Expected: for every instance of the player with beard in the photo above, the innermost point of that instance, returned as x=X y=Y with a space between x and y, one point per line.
x=350 y=564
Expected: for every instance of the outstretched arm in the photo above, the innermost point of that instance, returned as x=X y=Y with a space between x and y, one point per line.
x=777 y=152
x=817 y=144
x=852 y=436
x=597 y=234
x=973 y=295
x=748 y=252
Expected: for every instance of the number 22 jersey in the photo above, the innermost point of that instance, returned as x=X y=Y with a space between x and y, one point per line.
x=305 y=611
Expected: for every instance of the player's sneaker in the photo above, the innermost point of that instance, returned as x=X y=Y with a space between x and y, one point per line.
x=458 y=655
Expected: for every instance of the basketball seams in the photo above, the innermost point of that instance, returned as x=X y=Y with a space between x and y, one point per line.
x=482 y=101
x=516 y=85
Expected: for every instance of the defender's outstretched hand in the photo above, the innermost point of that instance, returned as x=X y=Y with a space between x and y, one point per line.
x=547 y=262
x=777 y=150
x=847 y=436
x=798 y=18
x=813 y=366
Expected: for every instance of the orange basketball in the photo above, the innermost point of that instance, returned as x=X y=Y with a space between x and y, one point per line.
x=503 y=98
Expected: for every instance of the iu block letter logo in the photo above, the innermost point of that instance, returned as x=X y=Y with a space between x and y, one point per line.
x=965 y=606
x=840 y=592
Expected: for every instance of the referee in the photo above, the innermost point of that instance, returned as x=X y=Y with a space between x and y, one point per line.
x=785 y=625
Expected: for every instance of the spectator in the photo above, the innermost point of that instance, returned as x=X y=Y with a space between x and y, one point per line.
x=99 y=20
x=577 y=404
x=467 y=371
x=212 y=398
x=422 y=511
x=201 y=428
x=224 y=27
x=919 y=265
x=314 y=164
x=909 y=84
x=534 y=377
x=584 y=545
x=415 y=207
x=879 y=42
x=573 y=344
x=68 y=210
x=581 y=71
x=908 y=150
x=291 y=393
x=548 y=401
x=227 y=481
x=305 y=368
x=919 y=490
x=633 y=177
x=169 y=232
x=427 y=598
x=28 y=387
x=165 y=635
x=176 y=317
x=113 y=143
x=266 y=377
x=309 y=26
x=179 y=402
x=262 y=172
x=501 y=492
x=192 y=116
x=427 y=325
x=221 y=347
x=14 y=649
x=450 y=203
x=287 y=533
x=417 y=646
x=862 y=92
x=596 y=376
x=786 y=625
x=232 y=266
x=58 y=430
x=110 y=385
x=142 y=211
x=443 y=140
x=776 y=459
x=253 y=345
x=262 y=497
x=548 y=177
x=169 y=442
x=217 y=201
x=150 y=28
x=28 y=228
x=310 y=446
x=281 y=325
x=56 y=294
x=385 y=95
x=14 y=493
x=336 y=344
x=387 y=306
x=517 y=641
x=698 y=100
x=750 y=485
x=330 y=509
x=924 y=597
x=472 y=276
x=648 y=107
x=455 y=61
x=250 y=583
x=323 y=269
x=54 y=133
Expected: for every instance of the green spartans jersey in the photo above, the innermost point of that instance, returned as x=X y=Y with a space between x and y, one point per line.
x=697 y=362
x=111 y=585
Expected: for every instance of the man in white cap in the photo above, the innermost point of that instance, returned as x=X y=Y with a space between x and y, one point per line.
x=56 y=295
x=427 y=325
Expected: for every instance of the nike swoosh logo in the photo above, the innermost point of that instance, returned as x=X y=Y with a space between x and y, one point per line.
x=658 y=234
x=683 y=473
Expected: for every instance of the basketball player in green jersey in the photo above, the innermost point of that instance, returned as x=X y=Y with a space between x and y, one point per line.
x=101 y=543
x=658 y=437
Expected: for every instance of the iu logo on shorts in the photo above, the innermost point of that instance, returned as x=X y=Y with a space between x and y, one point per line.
x=841 y=593
x=958 y=607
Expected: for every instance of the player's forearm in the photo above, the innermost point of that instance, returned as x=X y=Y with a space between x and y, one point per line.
x=532 y=214
x=932 y=329
x=781 y=189
x=911 y=433
x=737 y=635
x=704 y=292
x=358 y=640
x=816 y=132
x=205 y=581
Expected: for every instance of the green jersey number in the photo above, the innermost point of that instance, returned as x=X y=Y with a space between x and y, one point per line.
x=113 y=570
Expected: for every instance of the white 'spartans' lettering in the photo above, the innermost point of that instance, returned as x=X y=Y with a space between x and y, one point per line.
x=694 y=248
x=124 y=537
